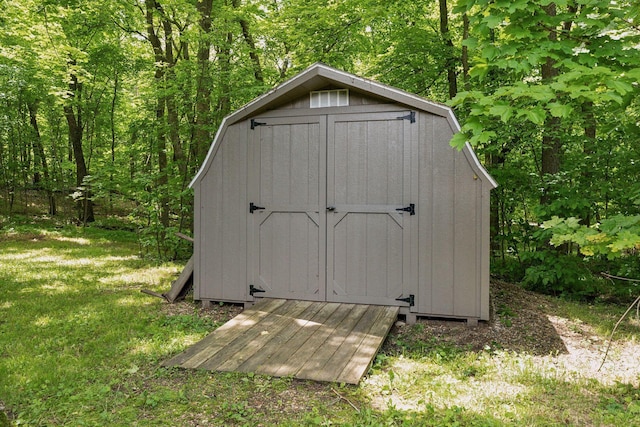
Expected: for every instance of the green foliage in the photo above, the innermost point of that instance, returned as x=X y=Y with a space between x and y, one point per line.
x=535 y=71
x=613 y=237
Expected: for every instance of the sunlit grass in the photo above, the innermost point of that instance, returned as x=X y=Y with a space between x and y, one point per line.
x=81 y=345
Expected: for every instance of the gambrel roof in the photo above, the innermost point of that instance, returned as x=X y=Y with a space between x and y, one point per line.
x=319 y=76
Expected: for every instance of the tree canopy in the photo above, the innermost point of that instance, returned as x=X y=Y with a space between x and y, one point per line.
x=117 y=101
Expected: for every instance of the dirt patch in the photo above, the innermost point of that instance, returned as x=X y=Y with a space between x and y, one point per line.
x=218 y=313
x=518 y=323
x=528 y=323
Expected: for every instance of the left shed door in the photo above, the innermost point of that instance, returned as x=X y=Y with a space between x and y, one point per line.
x=287 y=187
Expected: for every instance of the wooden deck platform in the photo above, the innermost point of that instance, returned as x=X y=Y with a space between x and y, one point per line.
x=308 y=340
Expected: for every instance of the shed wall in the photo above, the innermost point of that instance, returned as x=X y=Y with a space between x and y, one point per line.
x=220 y=271
x=450 y=248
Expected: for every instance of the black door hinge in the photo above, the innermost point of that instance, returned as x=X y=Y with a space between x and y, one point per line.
x=255 y=123
x=411 y=300
x=253 y=290
x=253 y=207
x=411 y=209
x=411 y=117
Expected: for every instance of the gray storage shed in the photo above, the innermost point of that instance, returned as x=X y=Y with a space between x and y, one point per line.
x=335 y=188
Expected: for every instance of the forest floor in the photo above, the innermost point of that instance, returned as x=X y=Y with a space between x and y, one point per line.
x=521 y=322
x=81 y=345
x=526 y=329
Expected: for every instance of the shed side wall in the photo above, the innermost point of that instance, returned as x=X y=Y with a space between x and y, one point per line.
x=221 y=210
x=450 y=226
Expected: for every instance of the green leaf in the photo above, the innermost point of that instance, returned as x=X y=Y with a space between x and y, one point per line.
x=619 y=86
x=633 y=74
x=541 y=93
x=503 y=110
x=458 y=141
x=479 y=70
x=518 y=5
x=473 y=124
x=484 y=137
x=560 y=110
x=490 y=52
x=535 y=115
x=493 y=21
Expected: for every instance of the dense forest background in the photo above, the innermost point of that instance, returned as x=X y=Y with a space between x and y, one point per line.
x=108 y=107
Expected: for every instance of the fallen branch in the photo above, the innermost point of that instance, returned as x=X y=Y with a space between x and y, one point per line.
x=345 y=399
x=611 y=276
x=636 y=302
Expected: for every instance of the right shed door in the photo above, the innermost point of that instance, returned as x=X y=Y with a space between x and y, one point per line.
x=370 y=238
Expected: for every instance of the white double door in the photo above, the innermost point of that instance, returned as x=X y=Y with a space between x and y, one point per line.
x=326 y=221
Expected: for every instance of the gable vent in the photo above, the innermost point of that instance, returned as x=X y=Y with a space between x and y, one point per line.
x=330 y=98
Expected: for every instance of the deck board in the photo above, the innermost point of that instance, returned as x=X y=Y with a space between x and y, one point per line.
x=320 y=341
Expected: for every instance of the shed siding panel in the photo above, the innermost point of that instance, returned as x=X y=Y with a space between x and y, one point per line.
x=235 y=209
x=464 y=263
x=484 y=236
x=443 y=223
x=222 y=221
x=210 y=259
x=198 y=288
x=425 y=214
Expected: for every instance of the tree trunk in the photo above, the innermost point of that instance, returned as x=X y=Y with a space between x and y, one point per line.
x=450 y=58
x=551 y=142
x=248 y=38
x=161 y=138
x=465 y=52
x=173 y=120
x=40 y=157
x=224 y=100
x=74 y=122
x=202 y=137
x=589 y=149
x=112 y=119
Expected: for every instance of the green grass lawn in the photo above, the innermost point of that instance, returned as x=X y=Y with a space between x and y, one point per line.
x=81 y=345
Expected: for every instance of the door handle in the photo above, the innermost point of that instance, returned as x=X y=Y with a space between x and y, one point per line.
x=331 y=208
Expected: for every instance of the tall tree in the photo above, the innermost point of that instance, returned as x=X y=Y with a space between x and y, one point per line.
x=75 y=121
x=551 y=141
x=451 y=59
x=204 y=82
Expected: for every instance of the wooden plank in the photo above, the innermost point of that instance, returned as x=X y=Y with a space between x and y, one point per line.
x=239 y=340
x=178 y=286
x=368 y=347
x=278 y=362
x=213 y=342
x=256 y=362
x=318 y=360
x=308 y=340
x=242 y=350
x=303 y=353
x=354 y=352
